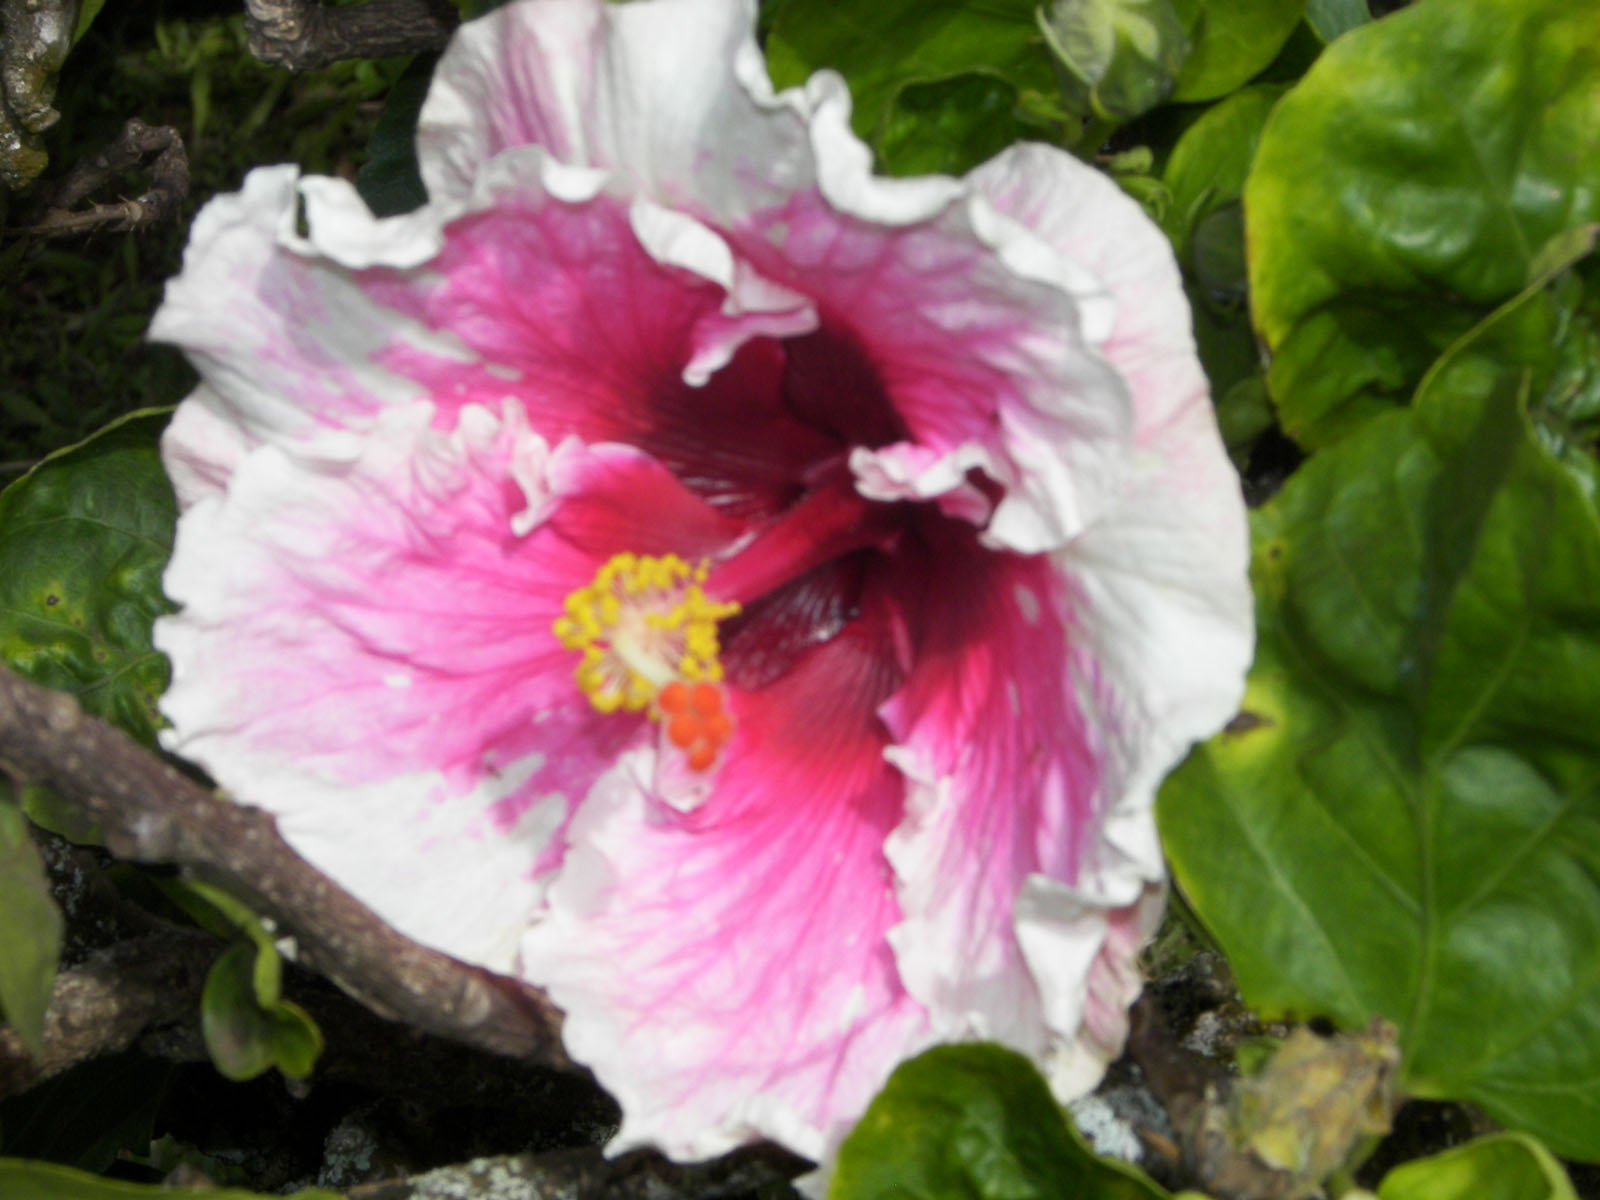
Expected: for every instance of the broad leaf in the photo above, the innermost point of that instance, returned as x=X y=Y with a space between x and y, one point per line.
x=1232 y=41
x=30 y=932
x=85 y=537
x=1406 y=818
x=1507 y=1166
x=1403 y=189
x=973 y=1121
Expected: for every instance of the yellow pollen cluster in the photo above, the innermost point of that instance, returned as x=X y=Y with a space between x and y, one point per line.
x=644 y=623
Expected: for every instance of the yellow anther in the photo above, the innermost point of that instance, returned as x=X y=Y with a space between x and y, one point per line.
x=643 y=624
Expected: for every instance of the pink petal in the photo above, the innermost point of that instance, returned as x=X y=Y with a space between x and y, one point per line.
x=560 y=306
x=375 y=665
x=999 y=734
x=975 y=334
x=724 y=972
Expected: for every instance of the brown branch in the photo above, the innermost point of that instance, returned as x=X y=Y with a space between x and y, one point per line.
x=102 y=1005
x=301 y=34
x=169 y=184
x=148 y=811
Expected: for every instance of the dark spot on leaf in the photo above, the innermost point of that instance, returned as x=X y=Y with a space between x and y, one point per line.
x=1245 y=722
x=52 y=600
x=101 y=656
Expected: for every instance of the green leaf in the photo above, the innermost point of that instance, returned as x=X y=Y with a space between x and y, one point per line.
x=882 y=47
x=1405 y=820
x=390 y=180
x=1204 y=176
x=248 y=1028
x=20 y=1180
x=85 y=537
x=1403 y=189
x=1208 y=165
x=1507 y=1166
x=1233 y=40
x=30 y=932
x=1116 y=58
x=88 y=10
x=973 y=1122
x=1329 y=18
x=950 y=126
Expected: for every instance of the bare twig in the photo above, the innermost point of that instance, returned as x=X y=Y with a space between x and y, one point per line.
x=149 y=811
x=301 y=34
x=169 y=184
x=102 y=1005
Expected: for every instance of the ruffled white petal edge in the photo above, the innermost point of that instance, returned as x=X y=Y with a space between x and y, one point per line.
x=672 y=98
x=1163 y=611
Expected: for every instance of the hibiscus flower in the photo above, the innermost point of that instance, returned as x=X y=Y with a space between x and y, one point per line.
x=752 y=600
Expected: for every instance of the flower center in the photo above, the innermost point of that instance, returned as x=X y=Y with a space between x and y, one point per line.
x=647 y=634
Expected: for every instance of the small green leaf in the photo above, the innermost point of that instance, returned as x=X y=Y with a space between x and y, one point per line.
x=882 y=47
x=1233 y=40
x=30 y=932
x=1116 y=58
x=1405 y=820
x=20 y=1180
x=1403 y=188
x=1507 y=1166
x=245 y=1034
x=1330 y=18
x=1208 y=166
x=87 y=12
x=390 y=180
x=85 y=537
x=975 y=1122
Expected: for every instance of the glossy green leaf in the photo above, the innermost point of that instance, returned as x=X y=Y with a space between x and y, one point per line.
x=85 y=537
x=1507 y=1166
x=1232 y=41
x=30 y=931
x=884 y=46
x=1405 y=820
x=247 y=1026
x=1116 y=58
x=1403 y=188
x=975 y=1122
x=21 y=1180
x=390 y=180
